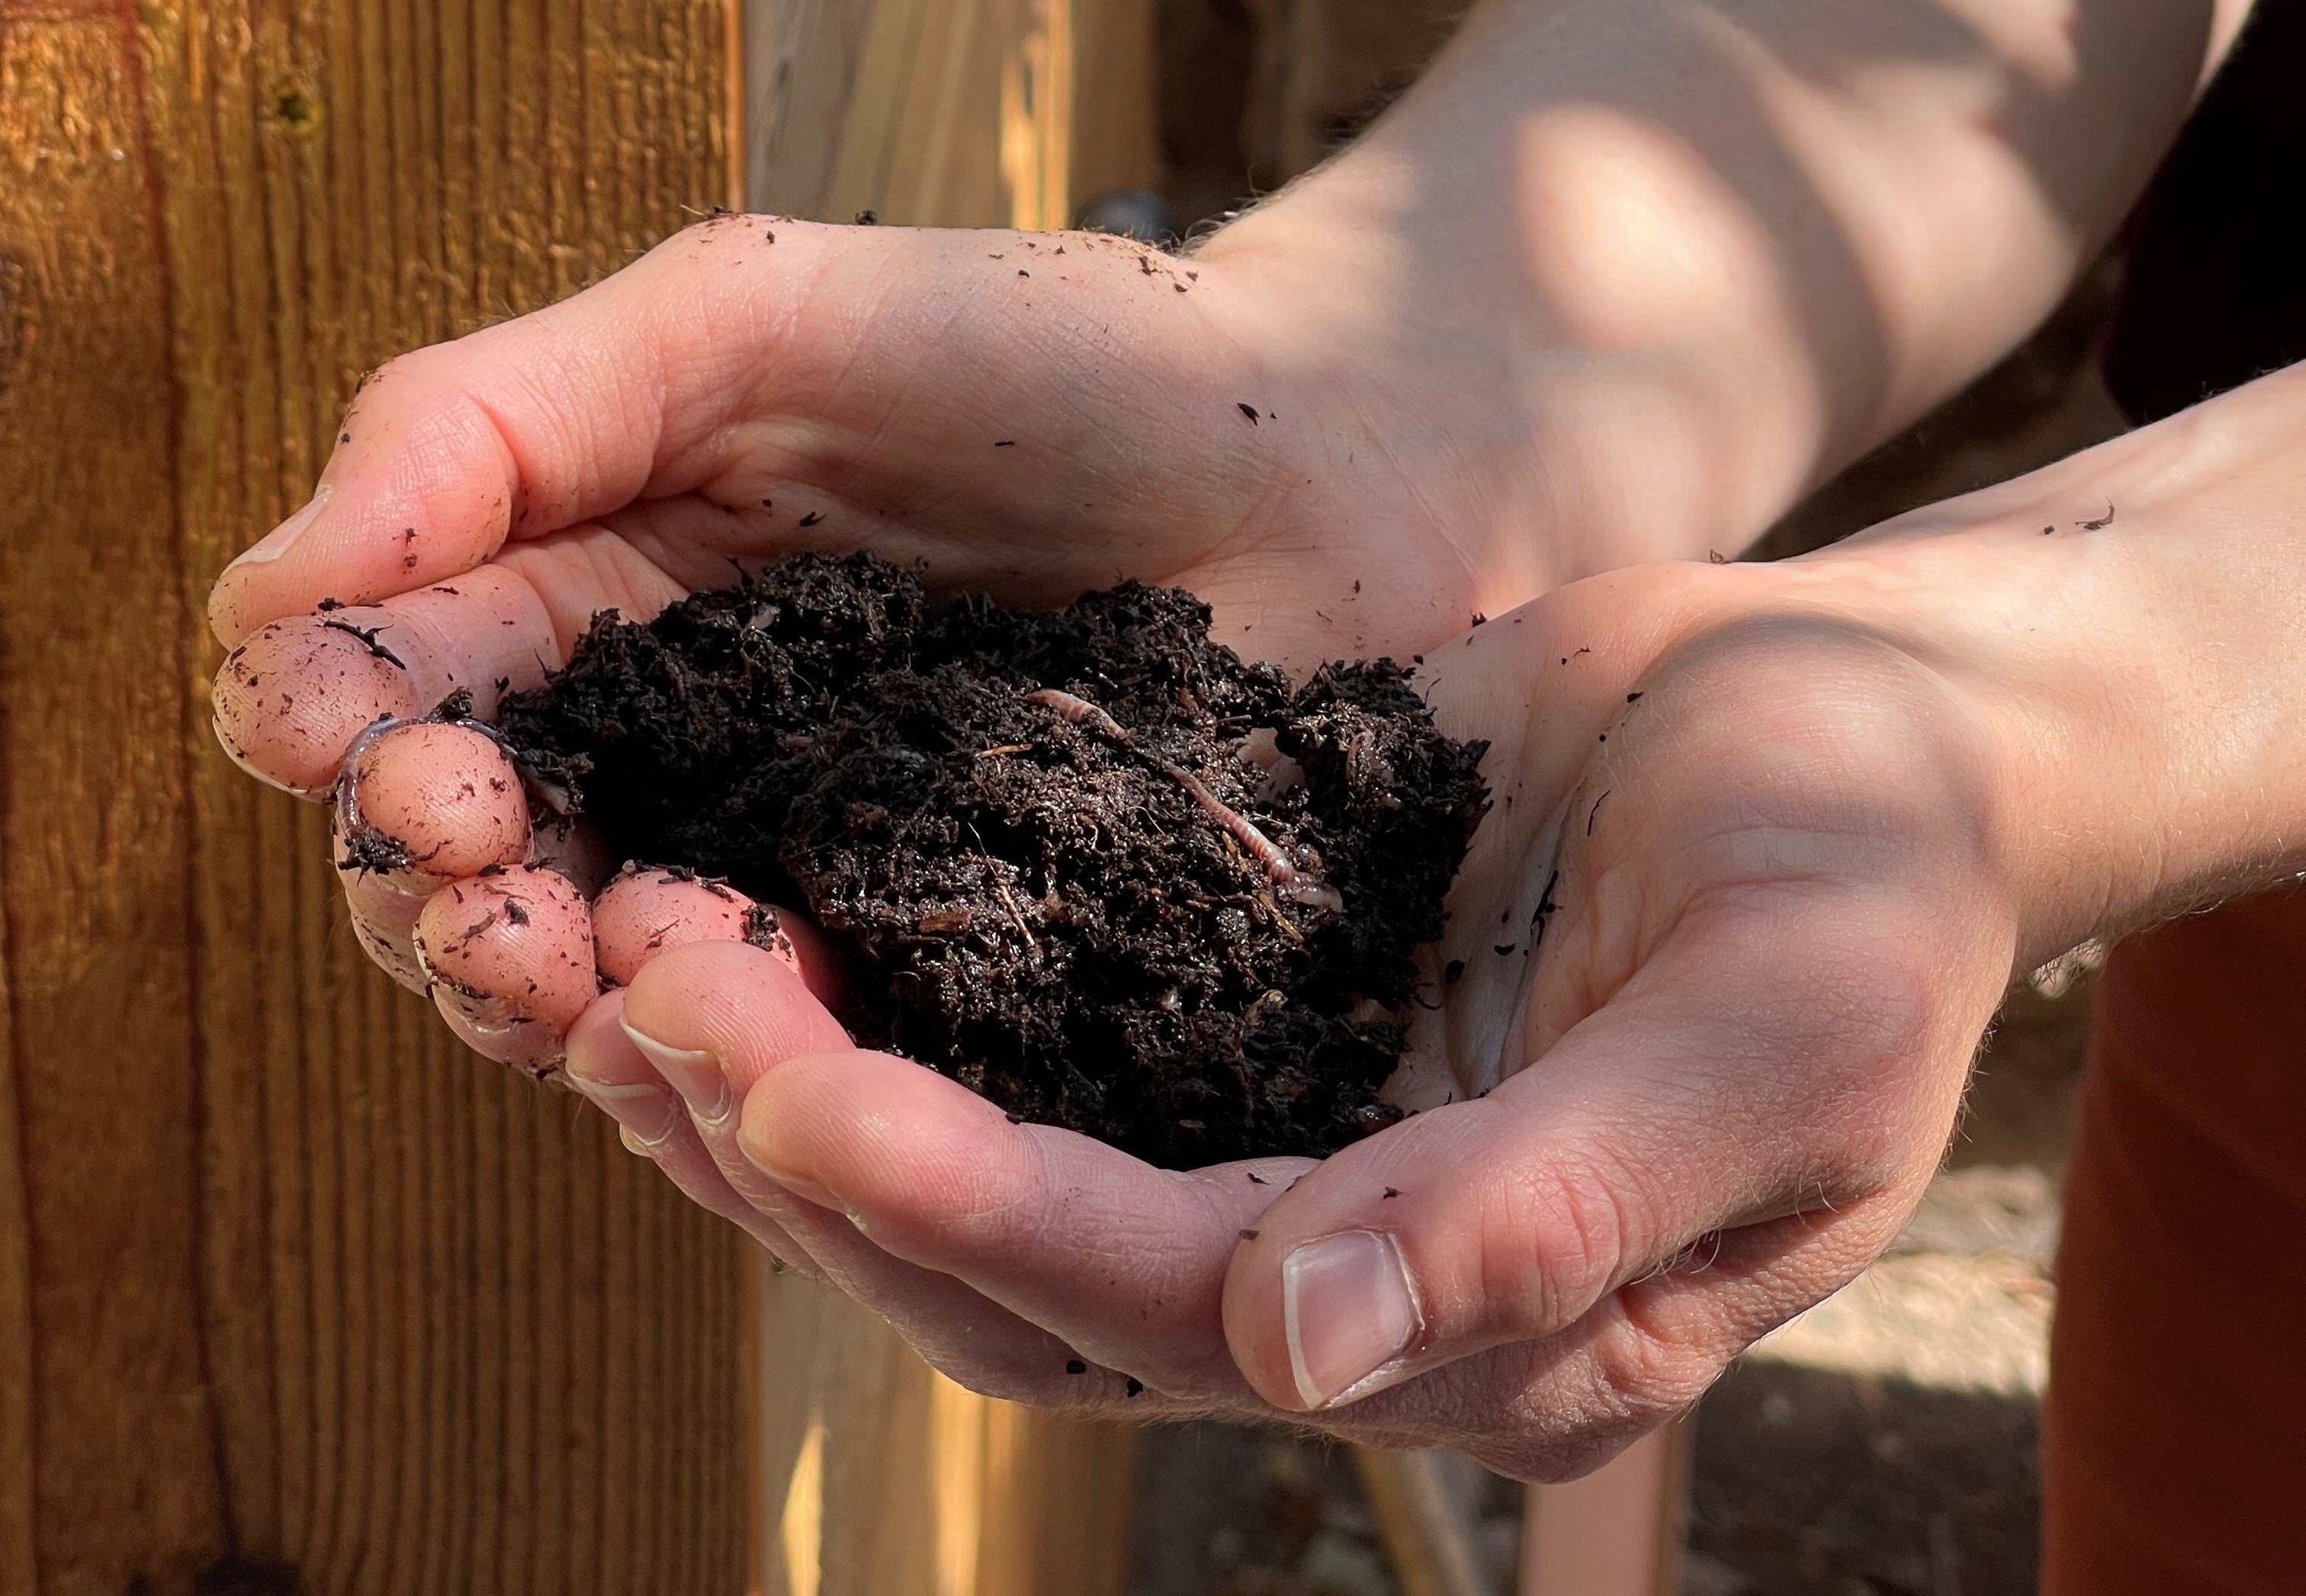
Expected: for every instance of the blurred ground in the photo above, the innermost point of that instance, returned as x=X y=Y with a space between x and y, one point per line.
x=1883 y=1443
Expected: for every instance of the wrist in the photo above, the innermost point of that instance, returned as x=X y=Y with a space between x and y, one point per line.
x=1554 y=450
x=2139 y=681
x=1643 y=273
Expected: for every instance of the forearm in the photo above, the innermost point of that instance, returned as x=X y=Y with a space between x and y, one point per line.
x=1760 y=234
x=2143 y=681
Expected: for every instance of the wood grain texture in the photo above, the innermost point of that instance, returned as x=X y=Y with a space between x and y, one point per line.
x=800 y=67
x=1116 y=138
x=291 y=1289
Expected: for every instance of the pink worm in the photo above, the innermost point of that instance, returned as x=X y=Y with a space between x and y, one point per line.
x=1296 y=885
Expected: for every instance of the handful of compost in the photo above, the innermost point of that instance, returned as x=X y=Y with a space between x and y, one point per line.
x=1089 y=863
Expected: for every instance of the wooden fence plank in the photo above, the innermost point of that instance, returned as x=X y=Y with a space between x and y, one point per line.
x=876 y=1476
x=93 y=633
x=287 y=1281
x=947 y=112
x=290 y=1288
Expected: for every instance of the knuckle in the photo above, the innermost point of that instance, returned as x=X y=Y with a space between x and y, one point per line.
x=1552 y=1245
x=1641 y=1378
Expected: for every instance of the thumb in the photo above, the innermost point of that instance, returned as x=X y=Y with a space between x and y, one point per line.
x=1673 y=1139
x=522 y=429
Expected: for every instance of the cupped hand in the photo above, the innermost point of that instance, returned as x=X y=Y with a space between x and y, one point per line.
x=1715 y=972
x=1769 y=843
x=1030 y=414
x=1715 y=967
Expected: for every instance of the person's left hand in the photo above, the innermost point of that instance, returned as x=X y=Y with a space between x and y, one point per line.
x=1770 y=842
x=1715 y=971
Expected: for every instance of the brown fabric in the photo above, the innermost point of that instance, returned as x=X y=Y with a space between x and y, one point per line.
x=2174 y=1443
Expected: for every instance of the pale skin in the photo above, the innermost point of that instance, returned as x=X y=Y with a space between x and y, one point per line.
x=1840 y=801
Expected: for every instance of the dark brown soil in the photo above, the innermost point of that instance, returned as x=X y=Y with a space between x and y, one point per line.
x=997 y=815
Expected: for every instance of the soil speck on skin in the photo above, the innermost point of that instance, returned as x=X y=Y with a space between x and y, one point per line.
x=1041 y=909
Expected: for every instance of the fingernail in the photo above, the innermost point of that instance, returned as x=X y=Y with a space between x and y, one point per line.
x=1347 y=1309
x=488 y=1016
x=693 y=1072
x=645 y=1115
x=277 y=543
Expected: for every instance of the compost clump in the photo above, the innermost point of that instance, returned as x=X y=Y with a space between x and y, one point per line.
x=1089 y=863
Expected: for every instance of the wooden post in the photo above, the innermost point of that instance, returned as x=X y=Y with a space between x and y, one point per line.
x=874 y=1476
x=947 y=112
x=1426 y=1519
x=295 y=1294
x=1618 y=1530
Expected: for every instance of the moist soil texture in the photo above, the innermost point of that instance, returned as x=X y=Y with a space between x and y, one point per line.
x=1064 y=880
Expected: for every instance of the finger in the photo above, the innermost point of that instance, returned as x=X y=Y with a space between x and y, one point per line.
x=715 y=1019
x=511 y=960
x=645 y=912
x=1120 y=1260
x=1708 y=1095
x=290 y=700
x=421 y=805
x=1558 y=1407
x=608 y=1071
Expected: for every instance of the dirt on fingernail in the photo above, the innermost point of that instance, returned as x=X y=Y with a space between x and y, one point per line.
x=1061 y=878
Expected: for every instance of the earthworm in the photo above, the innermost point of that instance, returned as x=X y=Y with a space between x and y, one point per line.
x=379 y=848
x=556 y=797
x=350 y=826
x=1080 y=711
x=1297 y=886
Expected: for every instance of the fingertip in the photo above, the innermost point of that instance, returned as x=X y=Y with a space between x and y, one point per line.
x=599 y=1052
x=911 y=1153
x=1323 y=1304
x=742 y=1004
x=645 y=913
x=444 y=797
x=418 y=492
x=511 y=960
x=290 y=700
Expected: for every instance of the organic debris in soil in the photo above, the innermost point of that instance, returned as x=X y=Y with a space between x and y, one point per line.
x=1066 y=882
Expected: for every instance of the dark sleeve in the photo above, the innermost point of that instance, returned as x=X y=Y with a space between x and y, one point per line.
x=2214 y=292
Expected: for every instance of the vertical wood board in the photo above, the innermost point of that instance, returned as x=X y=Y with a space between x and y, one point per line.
x=292 y=1289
